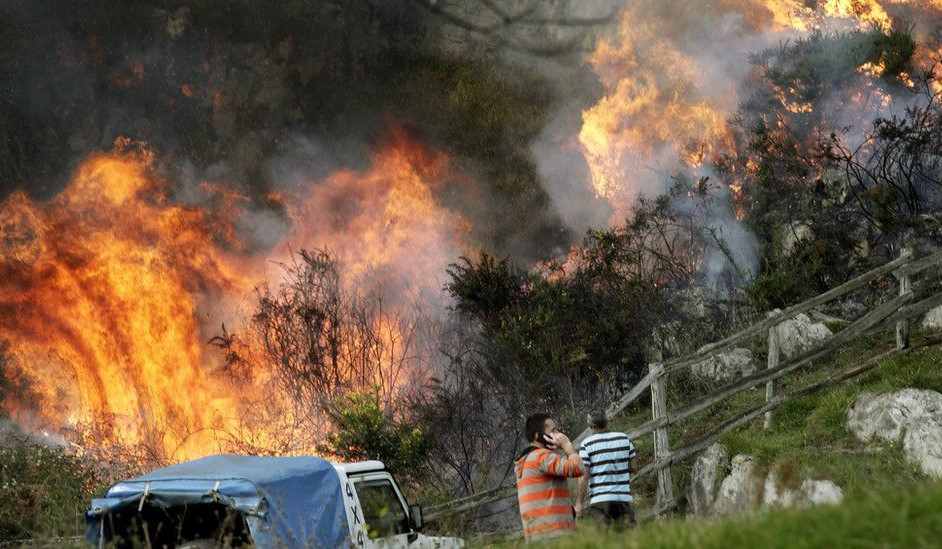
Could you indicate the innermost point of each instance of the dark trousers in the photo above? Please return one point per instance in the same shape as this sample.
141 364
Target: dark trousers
613 513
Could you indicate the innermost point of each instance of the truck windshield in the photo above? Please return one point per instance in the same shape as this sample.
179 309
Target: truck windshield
383 513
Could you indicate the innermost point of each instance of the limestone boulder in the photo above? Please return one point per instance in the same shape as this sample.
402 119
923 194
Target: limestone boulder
923 446
887 416
699 302
740 490
810 492
795 234
851 309
821 492
726 366
799 334
776 493
706 478
933 319
911 415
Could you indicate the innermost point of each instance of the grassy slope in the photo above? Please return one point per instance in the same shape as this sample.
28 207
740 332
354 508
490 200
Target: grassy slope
886 498
808 434
898 518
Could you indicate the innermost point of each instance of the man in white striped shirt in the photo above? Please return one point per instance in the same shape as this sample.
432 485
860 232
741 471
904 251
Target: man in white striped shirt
610 459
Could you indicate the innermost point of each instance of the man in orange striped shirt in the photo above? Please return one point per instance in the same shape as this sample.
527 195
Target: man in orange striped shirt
545 502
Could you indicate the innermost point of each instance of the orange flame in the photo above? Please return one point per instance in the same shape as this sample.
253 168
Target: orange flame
389 233
665 105
385 220
100 302
109 291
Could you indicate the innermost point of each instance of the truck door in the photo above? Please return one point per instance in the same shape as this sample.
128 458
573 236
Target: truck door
385 517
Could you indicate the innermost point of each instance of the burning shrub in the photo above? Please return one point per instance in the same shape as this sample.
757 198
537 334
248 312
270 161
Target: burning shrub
320 338
894 174
893 51
799 156
312 340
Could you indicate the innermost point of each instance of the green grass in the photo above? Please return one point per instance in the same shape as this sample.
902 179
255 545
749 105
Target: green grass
895 518
810 432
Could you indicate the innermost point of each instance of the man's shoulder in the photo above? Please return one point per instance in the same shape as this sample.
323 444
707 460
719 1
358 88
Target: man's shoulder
607 437
531 453
540 453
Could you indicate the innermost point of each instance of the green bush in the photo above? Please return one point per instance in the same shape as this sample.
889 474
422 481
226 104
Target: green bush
781 282
894 49
44 490
362 429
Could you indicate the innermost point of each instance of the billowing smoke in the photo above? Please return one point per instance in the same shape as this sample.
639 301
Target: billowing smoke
673 76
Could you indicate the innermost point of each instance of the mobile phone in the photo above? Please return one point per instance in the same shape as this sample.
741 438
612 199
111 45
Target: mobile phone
543 439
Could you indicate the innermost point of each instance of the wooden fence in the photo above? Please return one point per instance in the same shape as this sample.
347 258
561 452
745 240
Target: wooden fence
897 311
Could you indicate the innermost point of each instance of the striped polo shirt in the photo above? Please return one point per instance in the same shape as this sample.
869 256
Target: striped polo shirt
606 458
543 493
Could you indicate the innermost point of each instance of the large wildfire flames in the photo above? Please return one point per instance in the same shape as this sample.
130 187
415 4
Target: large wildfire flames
672 72
109 292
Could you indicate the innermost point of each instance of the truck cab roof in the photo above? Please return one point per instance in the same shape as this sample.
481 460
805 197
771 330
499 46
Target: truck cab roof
359 467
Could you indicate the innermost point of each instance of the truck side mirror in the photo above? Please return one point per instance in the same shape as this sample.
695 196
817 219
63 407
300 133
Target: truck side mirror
415 517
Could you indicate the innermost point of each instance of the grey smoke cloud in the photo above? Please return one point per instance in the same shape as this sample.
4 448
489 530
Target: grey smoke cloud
659 62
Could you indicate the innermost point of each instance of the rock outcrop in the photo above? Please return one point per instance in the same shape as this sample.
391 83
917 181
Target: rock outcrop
911 415
923 445
800 334
741 489
699 302
795 234
705 479
720 487
821 492
933 319
776 493
726 366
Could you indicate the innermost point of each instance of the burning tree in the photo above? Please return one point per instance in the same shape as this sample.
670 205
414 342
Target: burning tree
321 340
895 173
323 355
801 143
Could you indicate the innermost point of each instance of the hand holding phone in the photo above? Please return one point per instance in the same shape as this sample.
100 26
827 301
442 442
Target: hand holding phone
558 439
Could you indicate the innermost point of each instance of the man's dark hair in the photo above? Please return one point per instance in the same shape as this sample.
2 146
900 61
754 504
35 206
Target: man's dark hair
597 419
535 424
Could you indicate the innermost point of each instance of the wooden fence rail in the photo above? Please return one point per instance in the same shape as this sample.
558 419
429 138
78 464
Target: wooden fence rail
897 311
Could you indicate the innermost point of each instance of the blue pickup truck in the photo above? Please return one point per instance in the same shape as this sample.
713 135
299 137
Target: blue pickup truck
246 501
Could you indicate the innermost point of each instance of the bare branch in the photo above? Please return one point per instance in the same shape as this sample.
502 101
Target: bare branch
506 29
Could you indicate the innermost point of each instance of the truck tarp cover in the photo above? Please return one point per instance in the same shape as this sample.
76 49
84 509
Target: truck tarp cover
287 501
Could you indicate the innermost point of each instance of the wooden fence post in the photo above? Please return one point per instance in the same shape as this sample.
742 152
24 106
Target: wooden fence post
665 484
902 325
771 363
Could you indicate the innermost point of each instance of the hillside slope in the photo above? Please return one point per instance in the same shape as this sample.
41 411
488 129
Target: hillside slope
907 516
888 501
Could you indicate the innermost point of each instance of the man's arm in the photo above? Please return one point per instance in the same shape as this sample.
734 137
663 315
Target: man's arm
583 491
583 480
632 458
569 466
